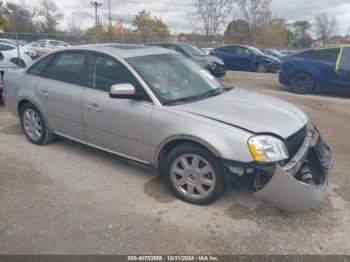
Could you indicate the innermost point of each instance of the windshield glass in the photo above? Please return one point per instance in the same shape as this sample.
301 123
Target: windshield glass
173 77
193 50
255 50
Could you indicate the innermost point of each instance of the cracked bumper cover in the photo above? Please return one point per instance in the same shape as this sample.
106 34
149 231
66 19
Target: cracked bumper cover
291 195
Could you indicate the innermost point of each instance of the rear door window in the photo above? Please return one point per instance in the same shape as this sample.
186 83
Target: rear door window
327 55
343 63
67 67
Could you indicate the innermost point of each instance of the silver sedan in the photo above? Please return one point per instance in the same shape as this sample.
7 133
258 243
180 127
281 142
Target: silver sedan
157 107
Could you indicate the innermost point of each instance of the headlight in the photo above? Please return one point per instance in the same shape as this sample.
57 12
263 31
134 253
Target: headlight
267 149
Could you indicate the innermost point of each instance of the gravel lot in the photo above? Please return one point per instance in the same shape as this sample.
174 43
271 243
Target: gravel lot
65 198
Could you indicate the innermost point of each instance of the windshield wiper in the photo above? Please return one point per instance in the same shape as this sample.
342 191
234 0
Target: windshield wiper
213 92
183 99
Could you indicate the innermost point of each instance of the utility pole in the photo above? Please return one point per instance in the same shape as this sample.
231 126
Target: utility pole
96 5
109 16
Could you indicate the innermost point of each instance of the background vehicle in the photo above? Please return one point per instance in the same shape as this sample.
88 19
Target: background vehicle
287 52
10 53
178 119
53 42
313 69
8 41
274 53
247 58
40 48
4 66
214 65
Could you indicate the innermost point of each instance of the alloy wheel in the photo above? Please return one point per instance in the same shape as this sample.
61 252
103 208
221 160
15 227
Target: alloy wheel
193 176
302 83
32 124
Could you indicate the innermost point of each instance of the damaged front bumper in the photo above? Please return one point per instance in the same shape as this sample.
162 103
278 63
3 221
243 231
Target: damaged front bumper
287 190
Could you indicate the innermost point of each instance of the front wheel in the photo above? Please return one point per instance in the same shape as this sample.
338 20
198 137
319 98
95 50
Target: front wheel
262 68
193 174
302 83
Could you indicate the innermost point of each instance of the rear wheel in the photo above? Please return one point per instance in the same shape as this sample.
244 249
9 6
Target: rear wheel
34 126
301 83
194 174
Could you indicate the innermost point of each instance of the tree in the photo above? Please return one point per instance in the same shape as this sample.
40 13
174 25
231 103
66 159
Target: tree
257 14
49 11
74 27
142 21
150 27
301 34
4 25
213 14
19 17
275 35
237 31
325 26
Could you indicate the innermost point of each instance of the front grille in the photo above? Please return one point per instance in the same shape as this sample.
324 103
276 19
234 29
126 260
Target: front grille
295 141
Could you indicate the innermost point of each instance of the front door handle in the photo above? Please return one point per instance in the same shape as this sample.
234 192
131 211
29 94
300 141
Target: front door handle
43 93
93 107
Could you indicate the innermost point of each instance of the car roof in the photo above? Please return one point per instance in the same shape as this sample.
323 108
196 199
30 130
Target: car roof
123 50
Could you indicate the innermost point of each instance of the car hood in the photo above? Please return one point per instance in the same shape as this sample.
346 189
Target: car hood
250 111
275 59
208 59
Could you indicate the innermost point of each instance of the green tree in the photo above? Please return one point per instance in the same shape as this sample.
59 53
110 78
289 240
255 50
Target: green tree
237 31
150 27
142 21
19 17
301 34
51 16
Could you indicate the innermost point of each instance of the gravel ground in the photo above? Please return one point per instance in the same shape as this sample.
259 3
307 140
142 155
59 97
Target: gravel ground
66 198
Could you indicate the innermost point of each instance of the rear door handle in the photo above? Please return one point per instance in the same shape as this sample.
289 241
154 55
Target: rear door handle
93 107
43 93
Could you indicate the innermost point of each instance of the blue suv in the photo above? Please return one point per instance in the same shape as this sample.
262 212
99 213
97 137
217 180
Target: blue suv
247 58
317 69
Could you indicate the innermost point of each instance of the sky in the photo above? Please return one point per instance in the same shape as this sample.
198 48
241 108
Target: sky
178 14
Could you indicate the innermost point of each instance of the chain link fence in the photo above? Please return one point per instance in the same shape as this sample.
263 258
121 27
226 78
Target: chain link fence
22 48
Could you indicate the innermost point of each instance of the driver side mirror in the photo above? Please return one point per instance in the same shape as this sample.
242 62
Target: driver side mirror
123 91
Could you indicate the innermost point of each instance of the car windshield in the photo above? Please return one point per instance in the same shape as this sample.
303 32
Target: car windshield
192 50
174 78
255 50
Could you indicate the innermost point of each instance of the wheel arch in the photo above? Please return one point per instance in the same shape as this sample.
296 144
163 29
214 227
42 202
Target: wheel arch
168 144
24 100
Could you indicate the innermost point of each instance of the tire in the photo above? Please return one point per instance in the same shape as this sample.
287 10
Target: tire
19 62
262 68
34 125
204 178
301 83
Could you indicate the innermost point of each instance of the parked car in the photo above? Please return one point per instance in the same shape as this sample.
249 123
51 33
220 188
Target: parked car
4 67
287 52
10 53
23 44
314 69
54 42
213 64
274 53
8 41
247 58
40 49
159 108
